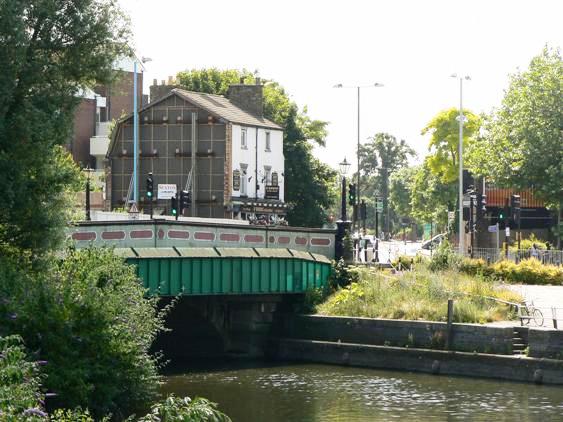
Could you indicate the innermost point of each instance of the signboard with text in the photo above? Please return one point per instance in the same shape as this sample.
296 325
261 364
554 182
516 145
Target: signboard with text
166 190
272 192
236 180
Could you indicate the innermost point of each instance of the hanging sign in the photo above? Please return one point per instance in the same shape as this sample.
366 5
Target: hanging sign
236 180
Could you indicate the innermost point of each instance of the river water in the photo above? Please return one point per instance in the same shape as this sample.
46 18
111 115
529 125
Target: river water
265 392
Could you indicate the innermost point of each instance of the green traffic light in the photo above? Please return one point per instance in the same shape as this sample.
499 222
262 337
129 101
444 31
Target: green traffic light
149 194
501 216
174 212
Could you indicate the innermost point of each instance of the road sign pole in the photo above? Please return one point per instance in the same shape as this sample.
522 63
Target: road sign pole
498 236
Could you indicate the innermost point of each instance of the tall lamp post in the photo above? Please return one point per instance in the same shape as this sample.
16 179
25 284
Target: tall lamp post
375 85
461 120
344 167
343 225
136 130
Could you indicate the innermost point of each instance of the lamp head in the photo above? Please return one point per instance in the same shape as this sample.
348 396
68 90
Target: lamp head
344 167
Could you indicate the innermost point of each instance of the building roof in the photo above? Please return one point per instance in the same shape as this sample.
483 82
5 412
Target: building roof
223 107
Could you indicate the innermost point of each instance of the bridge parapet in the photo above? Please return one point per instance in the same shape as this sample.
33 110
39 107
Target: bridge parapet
181 234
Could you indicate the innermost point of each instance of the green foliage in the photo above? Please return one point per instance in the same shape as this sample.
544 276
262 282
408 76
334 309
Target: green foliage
308 181
526 244
74 415
444 258
341 275
404 262
443 160
522 143
20 395
88 317
400 188
527 271
382 151
420 294
431 198
174 409
50 51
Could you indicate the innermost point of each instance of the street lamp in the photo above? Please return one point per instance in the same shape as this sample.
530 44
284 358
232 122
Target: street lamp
136 130
461 120
375 85
344 167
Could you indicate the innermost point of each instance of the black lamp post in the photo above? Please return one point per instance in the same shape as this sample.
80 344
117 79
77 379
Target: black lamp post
344 167
88 170
343 225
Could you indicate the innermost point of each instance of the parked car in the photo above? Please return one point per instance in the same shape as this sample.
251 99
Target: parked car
434 242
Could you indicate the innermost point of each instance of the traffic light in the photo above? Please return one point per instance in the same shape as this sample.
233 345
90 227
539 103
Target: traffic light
363 210
515 208
352 194
481 204
185 200
174 206
150 186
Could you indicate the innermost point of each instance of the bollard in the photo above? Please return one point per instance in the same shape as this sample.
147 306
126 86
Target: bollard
450 322
554 315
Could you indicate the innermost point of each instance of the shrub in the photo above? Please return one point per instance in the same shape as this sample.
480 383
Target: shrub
526 244
88 317
406 262
341 275
174 409
20 396
444 258
527 271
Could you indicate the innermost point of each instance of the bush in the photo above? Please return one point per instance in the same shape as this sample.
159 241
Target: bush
444 258
20 396
88 317
526 244
406 262
527 271
174 409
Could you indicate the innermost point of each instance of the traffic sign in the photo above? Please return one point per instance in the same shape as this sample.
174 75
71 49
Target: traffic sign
492 229
451 216
507 232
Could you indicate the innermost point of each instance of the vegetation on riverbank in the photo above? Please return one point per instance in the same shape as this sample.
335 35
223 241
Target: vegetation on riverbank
420 295
527 271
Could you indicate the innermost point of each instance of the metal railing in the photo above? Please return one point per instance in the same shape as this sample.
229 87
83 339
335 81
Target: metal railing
551 256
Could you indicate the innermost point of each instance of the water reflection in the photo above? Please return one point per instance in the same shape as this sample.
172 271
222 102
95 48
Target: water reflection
292 392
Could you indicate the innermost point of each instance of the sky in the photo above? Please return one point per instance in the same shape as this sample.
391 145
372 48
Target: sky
308 46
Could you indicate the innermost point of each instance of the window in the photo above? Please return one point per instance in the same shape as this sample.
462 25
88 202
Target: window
243 144
267 141
267 175
274 179
243 179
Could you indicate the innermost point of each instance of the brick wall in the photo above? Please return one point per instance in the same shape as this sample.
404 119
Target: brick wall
84 128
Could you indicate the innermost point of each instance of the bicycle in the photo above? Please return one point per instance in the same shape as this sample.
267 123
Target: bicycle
527 312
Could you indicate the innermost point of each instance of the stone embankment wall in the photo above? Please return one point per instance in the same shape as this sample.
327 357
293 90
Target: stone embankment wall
387 332
545 343
475 350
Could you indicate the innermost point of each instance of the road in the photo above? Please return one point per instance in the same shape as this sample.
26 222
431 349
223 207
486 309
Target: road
389 250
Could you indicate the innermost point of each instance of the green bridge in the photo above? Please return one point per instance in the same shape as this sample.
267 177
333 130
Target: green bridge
192 271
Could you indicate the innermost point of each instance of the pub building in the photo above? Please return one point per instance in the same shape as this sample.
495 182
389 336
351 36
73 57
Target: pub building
221 149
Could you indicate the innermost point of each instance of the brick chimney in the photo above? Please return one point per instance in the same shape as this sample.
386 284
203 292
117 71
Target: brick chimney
158 91
248 97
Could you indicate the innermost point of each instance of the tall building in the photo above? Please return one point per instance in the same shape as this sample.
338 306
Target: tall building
221 149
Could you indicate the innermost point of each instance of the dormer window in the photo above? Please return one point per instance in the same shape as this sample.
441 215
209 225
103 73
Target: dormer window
243 143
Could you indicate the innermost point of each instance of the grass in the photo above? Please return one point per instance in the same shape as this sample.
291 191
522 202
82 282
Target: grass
420 295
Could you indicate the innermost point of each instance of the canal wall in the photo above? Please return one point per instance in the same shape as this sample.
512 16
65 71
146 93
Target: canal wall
388 332
545 343
474 350
508 367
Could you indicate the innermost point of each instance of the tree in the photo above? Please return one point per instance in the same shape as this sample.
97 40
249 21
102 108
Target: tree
431 198
400 188
522 145
443 160
51 50
308 181
380 158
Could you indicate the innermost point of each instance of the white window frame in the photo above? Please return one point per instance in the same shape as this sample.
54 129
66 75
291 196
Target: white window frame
243 138
268 142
